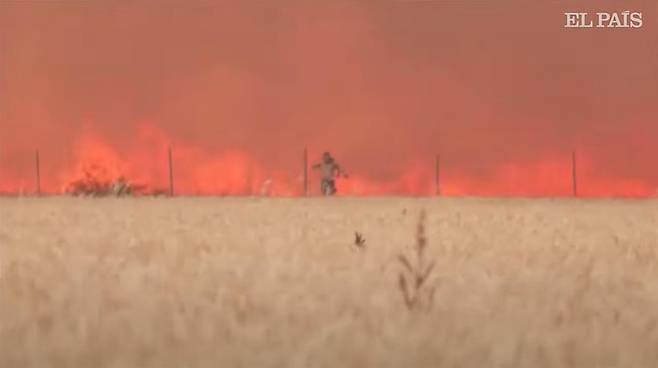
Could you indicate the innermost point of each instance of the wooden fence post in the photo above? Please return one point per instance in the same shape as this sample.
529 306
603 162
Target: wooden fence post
574 177
305 171
437 175
38 173
171 174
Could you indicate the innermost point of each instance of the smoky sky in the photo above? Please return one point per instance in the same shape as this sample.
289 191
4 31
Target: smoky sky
382 84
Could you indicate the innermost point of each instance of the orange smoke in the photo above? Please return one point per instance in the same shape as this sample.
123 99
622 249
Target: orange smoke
239 89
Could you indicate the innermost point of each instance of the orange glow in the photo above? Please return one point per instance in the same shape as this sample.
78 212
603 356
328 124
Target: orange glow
238 89
235 172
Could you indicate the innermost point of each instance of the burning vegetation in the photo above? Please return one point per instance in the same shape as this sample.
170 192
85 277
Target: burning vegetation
96 181
98 167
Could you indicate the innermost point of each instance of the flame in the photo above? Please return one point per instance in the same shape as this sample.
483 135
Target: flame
196 171
377 85
199 171
97 165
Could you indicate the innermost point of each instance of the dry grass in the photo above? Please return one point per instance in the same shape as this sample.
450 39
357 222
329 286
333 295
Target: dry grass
235 282
414 280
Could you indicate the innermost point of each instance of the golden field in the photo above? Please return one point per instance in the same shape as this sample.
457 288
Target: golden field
256 282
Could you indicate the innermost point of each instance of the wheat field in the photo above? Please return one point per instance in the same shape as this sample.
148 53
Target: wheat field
258 282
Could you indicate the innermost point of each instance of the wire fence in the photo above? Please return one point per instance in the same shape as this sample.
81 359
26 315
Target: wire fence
120 186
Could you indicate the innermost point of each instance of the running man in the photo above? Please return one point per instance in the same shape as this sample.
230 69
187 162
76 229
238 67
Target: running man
329 169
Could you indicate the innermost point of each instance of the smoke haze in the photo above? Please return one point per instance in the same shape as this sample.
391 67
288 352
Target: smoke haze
238 88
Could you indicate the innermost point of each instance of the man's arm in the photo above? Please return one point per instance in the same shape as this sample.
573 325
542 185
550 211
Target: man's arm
340 171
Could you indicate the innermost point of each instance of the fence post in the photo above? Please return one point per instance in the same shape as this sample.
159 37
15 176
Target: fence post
574 177
38 173
171 174
305 171
437 175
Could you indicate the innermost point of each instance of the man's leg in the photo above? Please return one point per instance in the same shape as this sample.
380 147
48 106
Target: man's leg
332 187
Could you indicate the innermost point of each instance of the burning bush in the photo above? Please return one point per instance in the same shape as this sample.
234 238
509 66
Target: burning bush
96 182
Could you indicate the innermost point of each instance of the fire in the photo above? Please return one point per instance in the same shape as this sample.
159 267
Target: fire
383 86
142 165
98 165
